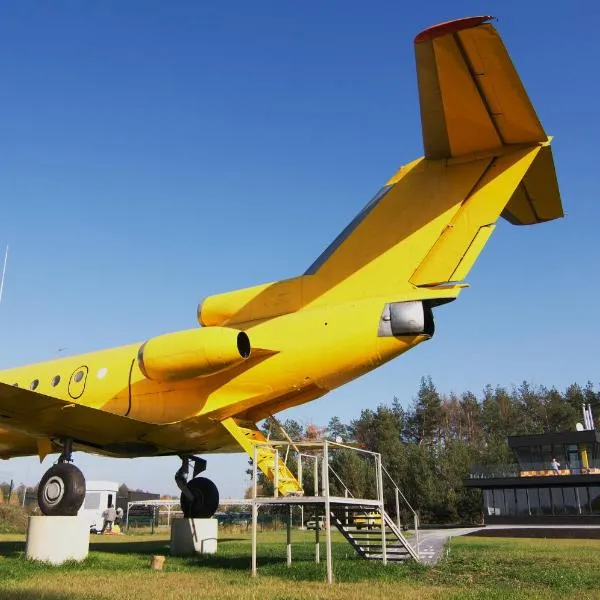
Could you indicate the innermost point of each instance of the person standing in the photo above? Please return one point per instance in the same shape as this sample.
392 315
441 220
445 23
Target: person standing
109 515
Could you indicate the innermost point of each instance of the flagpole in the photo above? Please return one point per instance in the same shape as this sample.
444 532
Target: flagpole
3 272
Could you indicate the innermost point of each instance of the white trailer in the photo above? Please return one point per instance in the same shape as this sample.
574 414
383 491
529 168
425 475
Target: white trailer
99 495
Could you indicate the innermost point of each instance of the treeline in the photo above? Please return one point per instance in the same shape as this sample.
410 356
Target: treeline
430 447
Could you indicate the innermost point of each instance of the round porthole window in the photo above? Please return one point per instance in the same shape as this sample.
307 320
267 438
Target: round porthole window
55 380
102 373
78 376
34 384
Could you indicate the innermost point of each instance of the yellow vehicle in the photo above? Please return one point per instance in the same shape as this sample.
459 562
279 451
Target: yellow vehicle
368 520
369 297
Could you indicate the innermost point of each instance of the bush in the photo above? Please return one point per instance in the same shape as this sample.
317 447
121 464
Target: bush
13 519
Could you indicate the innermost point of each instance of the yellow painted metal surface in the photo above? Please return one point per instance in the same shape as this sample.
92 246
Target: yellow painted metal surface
486 156
191 353
249 437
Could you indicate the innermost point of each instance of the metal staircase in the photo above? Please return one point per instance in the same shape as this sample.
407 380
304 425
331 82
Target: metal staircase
371 537
363 521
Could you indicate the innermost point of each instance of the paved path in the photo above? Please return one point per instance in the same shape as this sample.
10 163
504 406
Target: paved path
432 541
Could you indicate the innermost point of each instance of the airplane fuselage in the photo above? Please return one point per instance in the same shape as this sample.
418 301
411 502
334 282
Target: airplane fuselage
295 358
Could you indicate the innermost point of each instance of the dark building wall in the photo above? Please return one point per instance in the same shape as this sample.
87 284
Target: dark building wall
134 497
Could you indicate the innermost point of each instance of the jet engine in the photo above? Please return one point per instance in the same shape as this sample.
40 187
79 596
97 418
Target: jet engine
193 353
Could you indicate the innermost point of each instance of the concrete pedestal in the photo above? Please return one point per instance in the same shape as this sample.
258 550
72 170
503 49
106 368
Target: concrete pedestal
57 539
194 536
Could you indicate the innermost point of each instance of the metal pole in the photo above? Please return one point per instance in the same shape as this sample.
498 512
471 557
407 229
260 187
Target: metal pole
3 273
346 516
289 538
317 547
254 513
316 473
276 490
381 508
327 511
416 519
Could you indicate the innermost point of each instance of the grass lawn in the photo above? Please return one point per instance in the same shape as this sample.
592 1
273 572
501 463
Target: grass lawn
118 567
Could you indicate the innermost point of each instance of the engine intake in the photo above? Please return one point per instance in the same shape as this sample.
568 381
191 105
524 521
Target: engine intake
193 353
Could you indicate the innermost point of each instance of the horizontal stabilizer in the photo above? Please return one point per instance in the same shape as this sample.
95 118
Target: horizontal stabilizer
537 199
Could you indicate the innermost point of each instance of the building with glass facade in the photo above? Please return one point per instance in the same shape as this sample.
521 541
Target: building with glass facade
556 479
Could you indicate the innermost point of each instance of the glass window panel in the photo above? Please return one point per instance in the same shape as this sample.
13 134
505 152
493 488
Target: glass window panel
522 504
574 458
92 501
536 456
583 500
545 501
595 498
546 455
558 503
499 507
571 507
488 502
510 502
524 456
534 501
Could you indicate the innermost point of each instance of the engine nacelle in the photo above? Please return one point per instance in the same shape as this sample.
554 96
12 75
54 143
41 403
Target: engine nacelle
193 353
407 318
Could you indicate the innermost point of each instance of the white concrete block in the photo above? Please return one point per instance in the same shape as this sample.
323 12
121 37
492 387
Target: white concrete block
57 539
194 536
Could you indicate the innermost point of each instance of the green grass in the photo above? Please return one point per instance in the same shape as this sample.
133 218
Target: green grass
118 567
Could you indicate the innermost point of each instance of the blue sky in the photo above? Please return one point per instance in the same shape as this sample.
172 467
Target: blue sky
155 153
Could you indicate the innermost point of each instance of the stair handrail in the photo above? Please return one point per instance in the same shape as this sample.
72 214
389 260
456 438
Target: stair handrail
412 551
398 491
341 481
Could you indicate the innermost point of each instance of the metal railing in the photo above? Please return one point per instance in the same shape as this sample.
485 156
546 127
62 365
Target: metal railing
324 474
533 469
397 496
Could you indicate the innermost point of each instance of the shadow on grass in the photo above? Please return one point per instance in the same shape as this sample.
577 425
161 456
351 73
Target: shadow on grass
12 549
234 563
133 547
580 533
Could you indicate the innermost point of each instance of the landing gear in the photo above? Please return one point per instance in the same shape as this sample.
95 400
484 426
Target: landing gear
62 488
199 496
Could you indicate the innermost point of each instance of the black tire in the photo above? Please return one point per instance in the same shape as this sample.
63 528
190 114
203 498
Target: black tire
61 491
206 499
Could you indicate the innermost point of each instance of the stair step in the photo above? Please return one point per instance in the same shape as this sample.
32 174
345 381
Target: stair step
388 558
369 541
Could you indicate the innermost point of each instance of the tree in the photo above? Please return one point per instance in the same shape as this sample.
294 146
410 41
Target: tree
427 413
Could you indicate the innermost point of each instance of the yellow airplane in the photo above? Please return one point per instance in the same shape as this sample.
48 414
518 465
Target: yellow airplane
368 298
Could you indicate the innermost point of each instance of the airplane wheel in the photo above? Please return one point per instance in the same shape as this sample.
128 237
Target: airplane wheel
206 499
61 491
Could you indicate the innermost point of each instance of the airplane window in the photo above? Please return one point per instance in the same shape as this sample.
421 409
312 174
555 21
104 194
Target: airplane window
102 373
55 380
78 376
34 384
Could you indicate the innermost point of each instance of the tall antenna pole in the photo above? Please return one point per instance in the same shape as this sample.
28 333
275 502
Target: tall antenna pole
3 272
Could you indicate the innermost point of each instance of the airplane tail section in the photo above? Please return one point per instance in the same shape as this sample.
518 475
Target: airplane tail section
486 155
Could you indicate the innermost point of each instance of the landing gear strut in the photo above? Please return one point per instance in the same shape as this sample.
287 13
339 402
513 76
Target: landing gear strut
199 496
62 488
